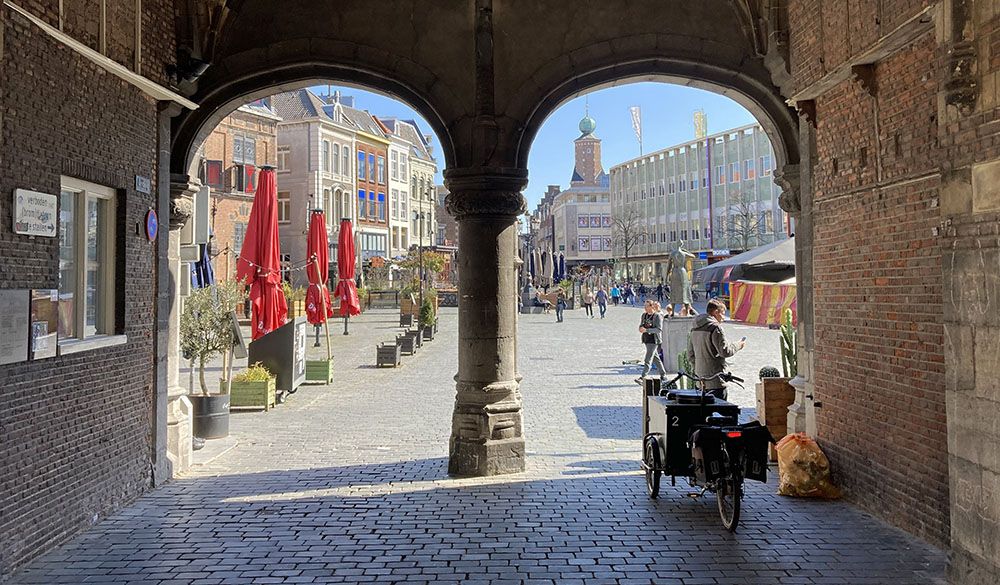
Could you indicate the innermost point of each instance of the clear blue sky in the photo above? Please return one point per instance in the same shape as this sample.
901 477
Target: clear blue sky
667 119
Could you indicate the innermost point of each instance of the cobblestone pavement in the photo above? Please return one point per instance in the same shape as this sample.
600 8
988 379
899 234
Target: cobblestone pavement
347 483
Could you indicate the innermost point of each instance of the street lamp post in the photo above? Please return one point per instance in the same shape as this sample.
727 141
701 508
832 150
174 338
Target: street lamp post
419 216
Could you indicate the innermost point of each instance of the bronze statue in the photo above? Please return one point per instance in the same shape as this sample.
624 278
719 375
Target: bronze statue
680 280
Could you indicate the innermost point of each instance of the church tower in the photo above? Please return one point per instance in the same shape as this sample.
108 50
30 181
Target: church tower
588 171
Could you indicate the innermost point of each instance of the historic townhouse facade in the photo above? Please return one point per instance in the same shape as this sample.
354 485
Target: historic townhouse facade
715 195
423 200
315 159
371 183
399 189
232 154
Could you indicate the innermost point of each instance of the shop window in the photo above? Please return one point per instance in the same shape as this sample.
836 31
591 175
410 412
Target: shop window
87 237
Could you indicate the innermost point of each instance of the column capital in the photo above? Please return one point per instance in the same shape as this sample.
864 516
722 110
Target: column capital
182 190
485 191
789 179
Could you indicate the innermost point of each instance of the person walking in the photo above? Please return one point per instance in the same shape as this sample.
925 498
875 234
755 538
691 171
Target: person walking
642 292
560 306
616 293
602 301
659 293
588 302
708 347
650 327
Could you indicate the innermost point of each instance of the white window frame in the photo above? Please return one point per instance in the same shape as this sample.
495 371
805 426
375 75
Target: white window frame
85 191
284 153
394 165
336 158
324 155
284 208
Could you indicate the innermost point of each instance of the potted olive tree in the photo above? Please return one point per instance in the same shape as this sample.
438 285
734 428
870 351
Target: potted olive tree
774 393
427 319
206 331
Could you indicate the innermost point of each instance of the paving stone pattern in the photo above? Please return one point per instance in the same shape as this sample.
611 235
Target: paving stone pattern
348 484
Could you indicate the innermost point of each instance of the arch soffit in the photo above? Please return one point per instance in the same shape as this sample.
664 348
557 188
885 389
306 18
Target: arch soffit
747 82
230 87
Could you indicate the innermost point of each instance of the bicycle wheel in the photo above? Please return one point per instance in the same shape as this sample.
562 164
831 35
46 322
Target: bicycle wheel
730 493
651 456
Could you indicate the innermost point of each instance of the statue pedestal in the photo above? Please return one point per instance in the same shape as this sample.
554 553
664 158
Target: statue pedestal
675 339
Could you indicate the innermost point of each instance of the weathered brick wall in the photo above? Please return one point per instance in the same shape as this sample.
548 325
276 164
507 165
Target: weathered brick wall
878 285
75 431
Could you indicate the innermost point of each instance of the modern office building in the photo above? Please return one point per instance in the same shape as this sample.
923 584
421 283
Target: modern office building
716 196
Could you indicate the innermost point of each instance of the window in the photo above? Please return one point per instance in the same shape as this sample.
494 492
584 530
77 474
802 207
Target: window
87 235
284 207
324 156
704 178
336 158
692 180
684 234
372 211
734 172
371 167
765 165
402 205
381 206
748 169
361 165
244 178
395 204
673 235
381 170
239 234
402 166
213 173
361 194
284 153
682 185
345 160
394 165
720 174
244 150
707 235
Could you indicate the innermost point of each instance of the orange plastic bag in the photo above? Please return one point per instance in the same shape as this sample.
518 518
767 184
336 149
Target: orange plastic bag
803 469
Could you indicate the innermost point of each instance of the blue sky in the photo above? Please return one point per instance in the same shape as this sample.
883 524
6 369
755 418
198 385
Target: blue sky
667 119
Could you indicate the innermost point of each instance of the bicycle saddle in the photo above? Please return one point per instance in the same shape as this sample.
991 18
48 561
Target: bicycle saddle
690 397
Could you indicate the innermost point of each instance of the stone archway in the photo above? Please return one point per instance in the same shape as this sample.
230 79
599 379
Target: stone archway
486 74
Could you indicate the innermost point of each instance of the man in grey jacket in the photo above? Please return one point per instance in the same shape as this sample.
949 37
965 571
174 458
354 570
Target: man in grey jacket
708 348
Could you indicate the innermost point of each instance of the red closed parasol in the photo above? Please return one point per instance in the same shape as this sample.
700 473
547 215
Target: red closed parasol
346 291
318 307
259 264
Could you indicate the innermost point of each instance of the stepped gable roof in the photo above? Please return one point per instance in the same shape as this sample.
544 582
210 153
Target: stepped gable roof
299 105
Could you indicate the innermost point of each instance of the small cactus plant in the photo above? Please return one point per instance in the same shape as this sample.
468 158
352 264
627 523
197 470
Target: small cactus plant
768 372
789 359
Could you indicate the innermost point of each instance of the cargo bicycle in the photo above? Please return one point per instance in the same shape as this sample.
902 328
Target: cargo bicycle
696 435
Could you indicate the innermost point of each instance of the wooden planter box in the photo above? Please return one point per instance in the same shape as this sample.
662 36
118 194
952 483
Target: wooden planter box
405 319
296 309
252 395
774 396
407 344
319 371
387 354
428 332
409 306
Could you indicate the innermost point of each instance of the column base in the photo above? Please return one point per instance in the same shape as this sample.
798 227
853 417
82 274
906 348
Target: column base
179 433
487 435
471 459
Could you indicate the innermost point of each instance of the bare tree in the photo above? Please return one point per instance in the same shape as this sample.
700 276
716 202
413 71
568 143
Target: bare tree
628 231
743 223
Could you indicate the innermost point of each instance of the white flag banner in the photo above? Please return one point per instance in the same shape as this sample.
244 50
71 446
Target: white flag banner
636 122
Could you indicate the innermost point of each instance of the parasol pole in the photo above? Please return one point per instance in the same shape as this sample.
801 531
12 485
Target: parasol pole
322 306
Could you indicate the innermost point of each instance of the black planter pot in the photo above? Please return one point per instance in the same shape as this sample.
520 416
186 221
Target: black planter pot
211 415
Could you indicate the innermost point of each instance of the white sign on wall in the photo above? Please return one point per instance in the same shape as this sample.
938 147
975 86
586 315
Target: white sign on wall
35 213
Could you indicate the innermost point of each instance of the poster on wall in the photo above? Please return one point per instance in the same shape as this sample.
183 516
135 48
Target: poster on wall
607 244
595 243
583 244
595 221
13 326
582 221
34 213
606 221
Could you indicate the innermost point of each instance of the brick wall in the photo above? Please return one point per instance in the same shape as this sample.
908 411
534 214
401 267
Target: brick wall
75 431
878 285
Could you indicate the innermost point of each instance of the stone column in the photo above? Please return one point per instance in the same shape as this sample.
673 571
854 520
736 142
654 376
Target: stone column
182 190
487 436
